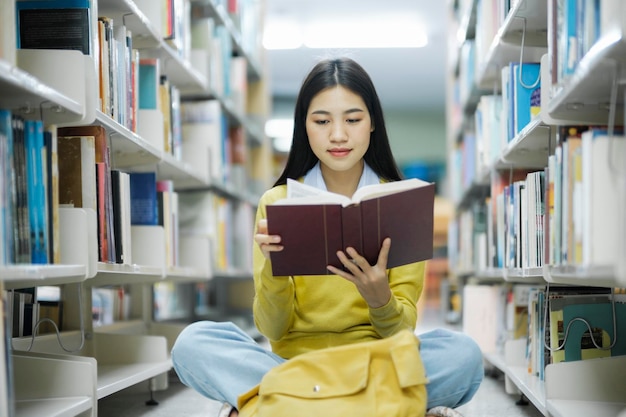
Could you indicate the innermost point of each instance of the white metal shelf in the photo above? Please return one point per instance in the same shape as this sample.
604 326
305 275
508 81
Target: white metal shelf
53 407
529 148
30 275
584 97
37 394
120 274
506 47
122 360
570 389
26 95
578 408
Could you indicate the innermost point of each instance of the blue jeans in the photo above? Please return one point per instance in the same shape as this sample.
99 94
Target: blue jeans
220 361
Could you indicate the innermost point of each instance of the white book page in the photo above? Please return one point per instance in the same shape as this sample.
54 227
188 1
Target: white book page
377 190
300 193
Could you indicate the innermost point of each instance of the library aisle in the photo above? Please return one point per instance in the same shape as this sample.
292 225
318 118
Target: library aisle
490 401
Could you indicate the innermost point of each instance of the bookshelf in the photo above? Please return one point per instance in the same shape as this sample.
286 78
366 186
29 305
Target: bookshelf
93 359
487 37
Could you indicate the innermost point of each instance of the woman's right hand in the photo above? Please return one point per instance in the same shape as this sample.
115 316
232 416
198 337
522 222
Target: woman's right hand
267 243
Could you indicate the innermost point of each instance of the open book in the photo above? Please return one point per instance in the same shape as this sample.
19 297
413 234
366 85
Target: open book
315 224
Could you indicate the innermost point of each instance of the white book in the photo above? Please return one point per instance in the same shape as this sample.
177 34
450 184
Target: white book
604 199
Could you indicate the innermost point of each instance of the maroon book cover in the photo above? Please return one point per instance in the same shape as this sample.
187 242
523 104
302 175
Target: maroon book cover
313 233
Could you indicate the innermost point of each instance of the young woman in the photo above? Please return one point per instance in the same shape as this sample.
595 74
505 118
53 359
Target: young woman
339 144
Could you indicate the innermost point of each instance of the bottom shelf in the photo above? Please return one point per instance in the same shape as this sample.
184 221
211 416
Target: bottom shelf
571 389
585 408
37 394
118 361
53 407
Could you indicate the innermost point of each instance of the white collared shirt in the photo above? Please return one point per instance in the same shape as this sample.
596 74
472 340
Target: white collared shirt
315 179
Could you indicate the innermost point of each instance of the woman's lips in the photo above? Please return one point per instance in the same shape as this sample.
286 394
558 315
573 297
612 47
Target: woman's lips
339 152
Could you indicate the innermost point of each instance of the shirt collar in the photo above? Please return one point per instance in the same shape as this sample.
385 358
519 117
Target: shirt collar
314 177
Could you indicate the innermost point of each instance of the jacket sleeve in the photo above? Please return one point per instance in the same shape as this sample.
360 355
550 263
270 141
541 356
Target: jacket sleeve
400 312
273 306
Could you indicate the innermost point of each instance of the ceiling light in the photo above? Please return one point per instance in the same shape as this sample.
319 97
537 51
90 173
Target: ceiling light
379 32
282 34
388 31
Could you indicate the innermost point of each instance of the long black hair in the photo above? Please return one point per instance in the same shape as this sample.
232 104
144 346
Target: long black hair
349 74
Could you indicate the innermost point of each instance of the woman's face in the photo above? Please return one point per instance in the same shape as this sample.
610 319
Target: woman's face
338 125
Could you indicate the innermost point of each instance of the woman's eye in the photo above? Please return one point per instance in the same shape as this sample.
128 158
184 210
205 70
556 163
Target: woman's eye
351 121
321 122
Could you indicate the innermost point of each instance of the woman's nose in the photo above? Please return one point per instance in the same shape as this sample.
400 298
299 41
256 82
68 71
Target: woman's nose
338 133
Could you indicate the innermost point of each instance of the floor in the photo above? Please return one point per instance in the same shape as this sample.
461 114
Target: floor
179 401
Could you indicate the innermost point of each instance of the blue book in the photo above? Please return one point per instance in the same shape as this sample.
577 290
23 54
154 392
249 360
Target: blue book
526 93
149 80
7 203
143 199
570 42
61 24
36 191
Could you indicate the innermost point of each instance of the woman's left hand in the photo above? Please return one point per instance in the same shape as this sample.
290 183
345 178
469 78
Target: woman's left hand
371 280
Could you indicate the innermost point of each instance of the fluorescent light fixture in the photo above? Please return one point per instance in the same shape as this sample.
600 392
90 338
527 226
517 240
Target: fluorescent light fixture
281 133
379 32
282 34
386 31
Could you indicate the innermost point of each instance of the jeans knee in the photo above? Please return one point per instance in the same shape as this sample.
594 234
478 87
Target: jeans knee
466 353
182 342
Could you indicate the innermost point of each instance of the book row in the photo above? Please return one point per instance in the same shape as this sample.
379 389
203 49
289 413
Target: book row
568 213
49 168
559 324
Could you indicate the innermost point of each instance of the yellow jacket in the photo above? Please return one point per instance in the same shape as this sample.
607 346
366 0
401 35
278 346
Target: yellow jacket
304 313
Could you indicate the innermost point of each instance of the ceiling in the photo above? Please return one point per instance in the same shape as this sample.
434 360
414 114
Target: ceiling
407 79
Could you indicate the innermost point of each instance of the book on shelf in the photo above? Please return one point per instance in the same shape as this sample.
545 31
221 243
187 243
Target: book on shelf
203 140
77 174
568 153
484 308
149 82
7 200
120 182
20 304
581 324
64 24
103 186
52 186
143 199
602 196
37 193
314 225
526 83
21 220
167 200
165 100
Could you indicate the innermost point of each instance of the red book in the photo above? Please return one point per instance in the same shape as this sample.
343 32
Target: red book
313 228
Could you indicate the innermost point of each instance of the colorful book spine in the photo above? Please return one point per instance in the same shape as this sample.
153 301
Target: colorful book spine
149 81
526 93
7 202
37 201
